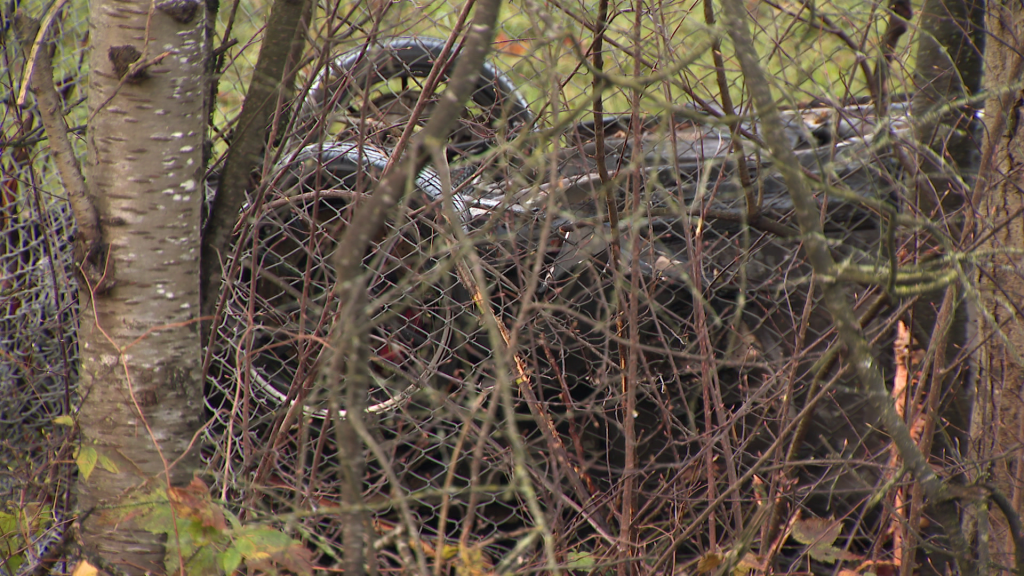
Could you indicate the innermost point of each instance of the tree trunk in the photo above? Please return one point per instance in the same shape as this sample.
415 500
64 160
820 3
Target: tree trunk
950 52
273 82
140 376
997 427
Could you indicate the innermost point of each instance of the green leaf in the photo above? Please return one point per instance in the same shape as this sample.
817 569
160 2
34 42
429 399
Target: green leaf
580 560
86 460
201 559
108 464
10 539
153 512
34 518
8 524
14 562
230 560
64 420
267 550
245 546
203 563
236 524
31 519
192 543
261 539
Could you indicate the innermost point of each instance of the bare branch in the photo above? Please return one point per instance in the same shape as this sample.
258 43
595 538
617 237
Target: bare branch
864 365
90 249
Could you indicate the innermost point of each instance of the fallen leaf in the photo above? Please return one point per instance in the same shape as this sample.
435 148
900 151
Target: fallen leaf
819 534
709 562
193 502
750 562
85 569
473 562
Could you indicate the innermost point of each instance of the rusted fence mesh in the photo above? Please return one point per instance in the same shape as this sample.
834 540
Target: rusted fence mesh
38 299
597 340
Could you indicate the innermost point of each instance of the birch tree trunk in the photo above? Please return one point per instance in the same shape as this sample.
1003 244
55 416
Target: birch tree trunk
140 375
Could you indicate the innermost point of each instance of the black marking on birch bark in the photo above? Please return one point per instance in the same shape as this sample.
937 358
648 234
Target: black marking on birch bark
183 11
122 57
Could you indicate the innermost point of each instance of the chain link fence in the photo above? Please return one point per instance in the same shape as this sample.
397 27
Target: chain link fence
38 299
636 283
658 324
